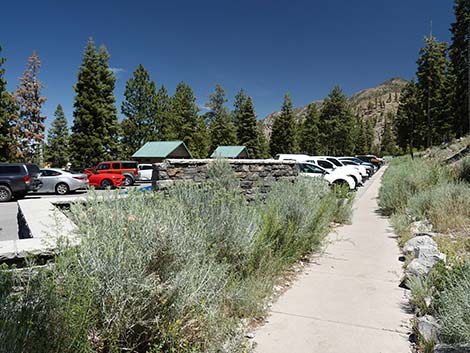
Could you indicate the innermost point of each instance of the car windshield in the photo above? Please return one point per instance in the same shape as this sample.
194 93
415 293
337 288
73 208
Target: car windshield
335 162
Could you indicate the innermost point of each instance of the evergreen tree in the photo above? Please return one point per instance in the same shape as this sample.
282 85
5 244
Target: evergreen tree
184 111
140 110
168 126
239 103
459 58
263 142
247 130
7 111
29 122
283 139
57 140
387 143
409 118
361 146
336 124
221 125
95 127
370 135
309 133
201 139
433 87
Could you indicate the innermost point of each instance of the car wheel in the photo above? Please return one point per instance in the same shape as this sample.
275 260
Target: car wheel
128 181
106 184
5 193
62 189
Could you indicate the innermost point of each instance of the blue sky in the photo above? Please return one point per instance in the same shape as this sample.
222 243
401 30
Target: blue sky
304 47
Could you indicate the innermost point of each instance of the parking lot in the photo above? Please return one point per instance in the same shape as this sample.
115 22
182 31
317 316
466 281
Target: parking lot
9 211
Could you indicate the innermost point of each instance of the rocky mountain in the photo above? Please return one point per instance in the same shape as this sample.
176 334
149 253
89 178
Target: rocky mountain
370 104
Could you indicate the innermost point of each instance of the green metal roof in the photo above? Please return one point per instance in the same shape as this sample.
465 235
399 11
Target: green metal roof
227 151
158 149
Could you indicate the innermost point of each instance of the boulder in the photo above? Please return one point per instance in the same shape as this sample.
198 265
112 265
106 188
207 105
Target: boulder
421 226
417 268
412 245
427 327
457 348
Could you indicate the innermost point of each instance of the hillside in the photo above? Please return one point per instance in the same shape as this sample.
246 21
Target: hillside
370 104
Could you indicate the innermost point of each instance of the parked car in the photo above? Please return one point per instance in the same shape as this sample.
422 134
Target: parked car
371 159
105 181
145 171
127 168
360 161
60 181
330 166
370 169
17 179
361 169
334 178
325 164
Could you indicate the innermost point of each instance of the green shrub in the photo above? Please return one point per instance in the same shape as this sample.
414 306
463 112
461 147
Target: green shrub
407 177
167 273
446 205
422 291
453 305
463 170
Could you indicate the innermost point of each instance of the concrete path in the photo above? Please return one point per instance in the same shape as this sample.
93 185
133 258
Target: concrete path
349 300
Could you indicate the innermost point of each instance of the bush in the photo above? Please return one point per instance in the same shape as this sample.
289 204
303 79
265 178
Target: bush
446 205
167 273
463 170
407 177
453 305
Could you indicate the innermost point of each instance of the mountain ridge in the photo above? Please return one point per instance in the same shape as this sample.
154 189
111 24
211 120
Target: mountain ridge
373 103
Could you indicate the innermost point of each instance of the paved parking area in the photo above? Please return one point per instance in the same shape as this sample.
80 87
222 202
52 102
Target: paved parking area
9 211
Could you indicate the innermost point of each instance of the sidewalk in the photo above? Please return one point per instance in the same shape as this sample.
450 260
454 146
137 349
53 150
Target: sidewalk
349 301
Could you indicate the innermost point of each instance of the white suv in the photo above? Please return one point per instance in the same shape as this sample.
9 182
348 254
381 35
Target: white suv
335 177
330 166
145 171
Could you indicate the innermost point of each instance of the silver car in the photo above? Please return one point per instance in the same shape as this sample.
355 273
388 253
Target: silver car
61 181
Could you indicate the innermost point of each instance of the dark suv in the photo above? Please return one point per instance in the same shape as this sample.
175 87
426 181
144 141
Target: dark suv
16 179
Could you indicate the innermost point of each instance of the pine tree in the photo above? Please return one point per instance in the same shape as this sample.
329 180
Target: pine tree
111 129
370 133
263 142
201 139
221 126
283 139
95 127
459 58
7 111
336 124
432 84
361 146
309 133
184 111
409 118
57 140
247 130
239 103
387 143
29 122
140 110
168 126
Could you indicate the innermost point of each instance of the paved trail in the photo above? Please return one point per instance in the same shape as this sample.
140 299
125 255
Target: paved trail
349 301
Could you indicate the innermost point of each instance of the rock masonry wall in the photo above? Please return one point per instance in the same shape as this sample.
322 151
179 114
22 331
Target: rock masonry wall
254 174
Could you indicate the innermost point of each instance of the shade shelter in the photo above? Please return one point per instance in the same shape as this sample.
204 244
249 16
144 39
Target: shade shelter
235 152
157 151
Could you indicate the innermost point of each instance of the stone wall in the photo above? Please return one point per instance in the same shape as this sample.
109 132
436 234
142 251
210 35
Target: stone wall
254 174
